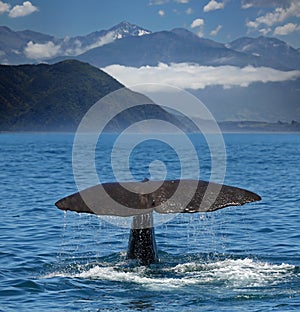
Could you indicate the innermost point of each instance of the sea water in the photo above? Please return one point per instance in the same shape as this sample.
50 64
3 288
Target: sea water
236 259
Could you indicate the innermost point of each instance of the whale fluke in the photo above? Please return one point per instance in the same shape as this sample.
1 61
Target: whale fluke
140 199
136 198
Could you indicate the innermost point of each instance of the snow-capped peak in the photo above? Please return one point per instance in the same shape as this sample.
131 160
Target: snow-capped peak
125 29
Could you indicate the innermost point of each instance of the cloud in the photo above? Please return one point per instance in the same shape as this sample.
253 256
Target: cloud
40 51
198 23
286 29
189 11
43 51
193 76
213 5
103 40
161 12
278 15
216 31
158 2
22 10
161 2
4 7
265 31
246 4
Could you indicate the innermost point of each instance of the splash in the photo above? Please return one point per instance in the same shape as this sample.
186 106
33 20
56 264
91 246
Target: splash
238 273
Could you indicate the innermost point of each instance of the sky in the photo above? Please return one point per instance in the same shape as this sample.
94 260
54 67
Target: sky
220 20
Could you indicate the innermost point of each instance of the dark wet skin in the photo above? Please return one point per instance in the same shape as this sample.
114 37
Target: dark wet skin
115 199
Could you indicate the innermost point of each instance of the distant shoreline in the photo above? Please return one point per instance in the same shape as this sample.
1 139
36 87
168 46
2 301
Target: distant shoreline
162 132
257 126
208 127
225 127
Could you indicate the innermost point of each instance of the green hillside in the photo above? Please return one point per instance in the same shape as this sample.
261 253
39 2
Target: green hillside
50 97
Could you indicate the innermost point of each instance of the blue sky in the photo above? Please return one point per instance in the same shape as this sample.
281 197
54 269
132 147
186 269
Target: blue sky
220 20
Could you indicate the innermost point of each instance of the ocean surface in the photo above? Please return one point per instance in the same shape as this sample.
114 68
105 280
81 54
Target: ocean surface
235 259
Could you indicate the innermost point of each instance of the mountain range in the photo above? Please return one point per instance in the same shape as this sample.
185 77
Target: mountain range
132 45
56 97
26 47
175 46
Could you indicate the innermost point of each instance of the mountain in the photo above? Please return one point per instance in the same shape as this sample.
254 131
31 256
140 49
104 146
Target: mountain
266 102
175 46
126 29
80 44
19 47
270 49
56 97
256 126
13 43
132 45
37 97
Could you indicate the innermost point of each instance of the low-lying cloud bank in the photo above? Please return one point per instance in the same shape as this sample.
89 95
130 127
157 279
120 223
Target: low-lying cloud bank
193 76
68 47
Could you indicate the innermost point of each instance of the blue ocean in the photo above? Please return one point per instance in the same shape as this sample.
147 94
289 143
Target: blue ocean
236 259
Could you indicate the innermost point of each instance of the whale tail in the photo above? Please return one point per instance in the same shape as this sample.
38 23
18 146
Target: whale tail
141 199
173 196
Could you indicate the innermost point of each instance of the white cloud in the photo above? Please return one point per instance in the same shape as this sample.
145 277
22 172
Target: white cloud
158 2
191 76
40 51
22 10
246 4
286 29
161 2
278 15
200 33
216 31
189 11
198 22
213 5
265 31
43 51
108 38
161 12
4 7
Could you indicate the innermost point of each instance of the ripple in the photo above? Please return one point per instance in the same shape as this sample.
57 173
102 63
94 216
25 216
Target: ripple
234 260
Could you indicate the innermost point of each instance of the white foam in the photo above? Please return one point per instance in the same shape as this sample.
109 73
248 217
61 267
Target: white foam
134 276
238 273
232 273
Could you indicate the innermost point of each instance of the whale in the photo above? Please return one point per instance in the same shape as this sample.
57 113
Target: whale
140 200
